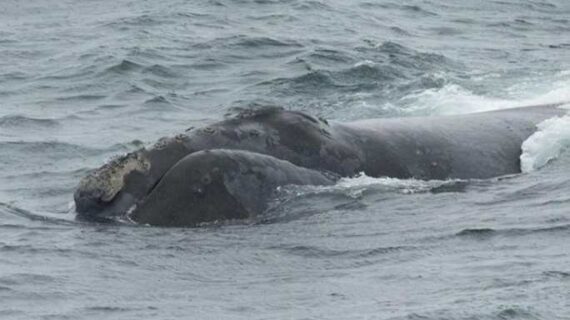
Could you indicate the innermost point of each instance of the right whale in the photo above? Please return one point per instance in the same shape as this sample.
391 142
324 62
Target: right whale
218 185
477 145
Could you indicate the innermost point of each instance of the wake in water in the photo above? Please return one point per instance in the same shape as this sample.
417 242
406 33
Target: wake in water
356 186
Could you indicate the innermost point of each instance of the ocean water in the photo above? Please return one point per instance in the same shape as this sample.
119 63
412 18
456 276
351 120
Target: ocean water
84 81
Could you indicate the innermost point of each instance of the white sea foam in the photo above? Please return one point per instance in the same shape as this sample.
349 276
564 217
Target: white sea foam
454 99
551 139
365 63
355 186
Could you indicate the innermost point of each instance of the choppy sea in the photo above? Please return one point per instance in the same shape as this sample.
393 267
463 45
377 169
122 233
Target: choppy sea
84 81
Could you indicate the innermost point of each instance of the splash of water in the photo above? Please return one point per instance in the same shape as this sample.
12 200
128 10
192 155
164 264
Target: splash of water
455 99
355 186
545 145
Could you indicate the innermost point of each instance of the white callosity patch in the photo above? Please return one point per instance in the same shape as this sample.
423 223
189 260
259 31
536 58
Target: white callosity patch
546 144
108 180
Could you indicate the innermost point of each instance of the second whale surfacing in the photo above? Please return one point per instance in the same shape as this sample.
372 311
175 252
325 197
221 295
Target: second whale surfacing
228 170
215 185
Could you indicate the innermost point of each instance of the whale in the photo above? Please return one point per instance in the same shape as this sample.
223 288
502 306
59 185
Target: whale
219 185
157 185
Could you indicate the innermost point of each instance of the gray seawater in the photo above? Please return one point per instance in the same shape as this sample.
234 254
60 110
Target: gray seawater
83 81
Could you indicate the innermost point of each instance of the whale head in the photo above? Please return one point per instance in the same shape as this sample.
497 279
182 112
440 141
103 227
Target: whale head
123 185
113 189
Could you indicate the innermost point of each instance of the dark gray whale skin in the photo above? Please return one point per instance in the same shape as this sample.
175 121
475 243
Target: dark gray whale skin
478 145
217 185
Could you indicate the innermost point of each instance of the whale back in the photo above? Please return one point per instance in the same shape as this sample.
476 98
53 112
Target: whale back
478 145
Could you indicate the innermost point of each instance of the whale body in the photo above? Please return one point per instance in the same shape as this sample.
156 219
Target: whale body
201 175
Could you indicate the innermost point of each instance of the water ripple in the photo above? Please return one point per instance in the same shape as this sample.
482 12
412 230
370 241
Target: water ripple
19 121
485 233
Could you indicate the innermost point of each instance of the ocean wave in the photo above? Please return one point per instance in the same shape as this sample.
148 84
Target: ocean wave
20 121
485 233
115 106
355 79
407 58
400 31
81 97
53 150
50 176
318 252
30 249
16 151
158 100
273 17
22 213
557 274
504 313
24 278
452 98
308 5
14 75
74 72
380 69
309 83
107 310
328 57
242 42
409 9
207 64
132 92
160 71
162 103
144 20
261 42
124 66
